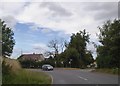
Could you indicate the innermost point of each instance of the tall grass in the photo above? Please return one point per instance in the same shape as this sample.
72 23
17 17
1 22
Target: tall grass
28 77
22 76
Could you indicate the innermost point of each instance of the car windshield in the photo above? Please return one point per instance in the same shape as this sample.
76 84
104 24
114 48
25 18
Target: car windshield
48 65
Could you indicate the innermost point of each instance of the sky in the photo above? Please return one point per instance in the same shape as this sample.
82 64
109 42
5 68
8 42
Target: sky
35 23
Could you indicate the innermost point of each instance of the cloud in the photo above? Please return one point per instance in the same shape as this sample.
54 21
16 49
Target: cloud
65 17
44 18
40 47
103 11
119 10
34 27
46 30
60 16
9 10
57 9
10 21
68 17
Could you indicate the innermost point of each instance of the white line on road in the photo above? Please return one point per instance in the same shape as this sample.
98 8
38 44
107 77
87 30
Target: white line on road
51 79
82 78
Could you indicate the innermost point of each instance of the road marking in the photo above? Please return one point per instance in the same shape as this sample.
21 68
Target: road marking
82 78
51 78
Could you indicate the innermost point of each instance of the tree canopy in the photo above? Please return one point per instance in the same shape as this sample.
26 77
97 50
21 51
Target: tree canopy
79 41
74 54
8 41
109 52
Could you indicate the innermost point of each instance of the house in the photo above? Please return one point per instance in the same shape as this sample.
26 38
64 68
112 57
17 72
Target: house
31 57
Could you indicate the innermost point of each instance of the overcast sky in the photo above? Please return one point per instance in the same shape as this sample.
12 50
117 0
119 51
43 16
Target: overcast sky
36 23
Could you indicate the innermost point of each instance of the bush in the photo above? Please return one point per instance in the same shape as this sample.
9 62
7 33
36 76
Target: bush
6 68
6 71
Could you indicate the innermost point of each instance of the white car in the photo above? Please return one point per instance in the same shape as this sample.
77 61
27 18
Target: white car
47 67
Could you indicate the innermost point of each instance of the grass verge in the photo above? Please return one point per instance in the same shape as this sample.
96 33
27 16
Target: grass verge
114 71
27 77
22 76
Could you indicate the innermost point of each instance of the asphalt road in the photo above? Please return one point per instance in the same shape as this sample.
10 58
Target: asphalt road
63 76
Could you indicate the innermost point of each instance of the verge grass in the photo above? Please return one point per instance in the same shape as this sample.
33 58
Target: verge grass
115 71
28 77
22 76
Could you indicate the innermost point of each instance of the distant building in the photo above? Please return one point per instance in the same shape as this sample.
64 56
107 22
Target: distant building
31 57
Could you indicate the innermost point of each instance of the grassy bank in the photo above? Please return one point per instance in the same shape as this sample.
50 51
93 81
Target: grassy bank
27 77
108 70
22 76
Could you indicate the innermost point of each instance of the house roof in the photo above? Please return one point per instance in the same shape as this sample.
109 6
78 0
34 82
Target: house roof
32 56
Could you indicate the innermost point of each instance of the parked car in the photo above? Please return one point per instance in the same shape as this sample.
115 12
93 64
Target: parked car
47 67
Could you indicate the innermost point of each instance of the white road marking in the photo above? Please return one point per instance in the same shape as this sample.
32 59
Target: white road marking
82 78
51 79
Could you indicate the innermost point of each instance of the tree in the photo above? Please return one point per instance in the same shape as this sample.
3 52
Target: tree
72 58
57 45
79 42
74 53
6 44
54 44
109 52
88 58
63 44
8 41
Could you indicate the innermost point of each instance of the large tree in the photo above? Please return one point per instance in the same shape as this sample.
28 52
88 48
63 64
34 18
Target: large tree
109 51
77 49
6 44
79 42
57 45
72 58
8 41
54 44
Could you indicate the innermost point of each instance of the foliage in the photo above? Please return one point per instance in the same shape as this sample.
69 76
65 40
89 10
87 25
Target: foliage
72 58
27 77
36 64
7 39
108 70
88 58
18 75
109 52
6 68
29 64
75 53
79 42
57 45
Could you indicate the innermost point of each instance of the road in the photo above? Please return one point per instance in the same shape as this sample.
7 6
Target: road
81 76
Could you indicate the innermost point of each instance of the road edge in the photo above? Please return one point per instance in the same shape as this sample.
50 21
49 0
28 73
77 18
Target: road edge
51 78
